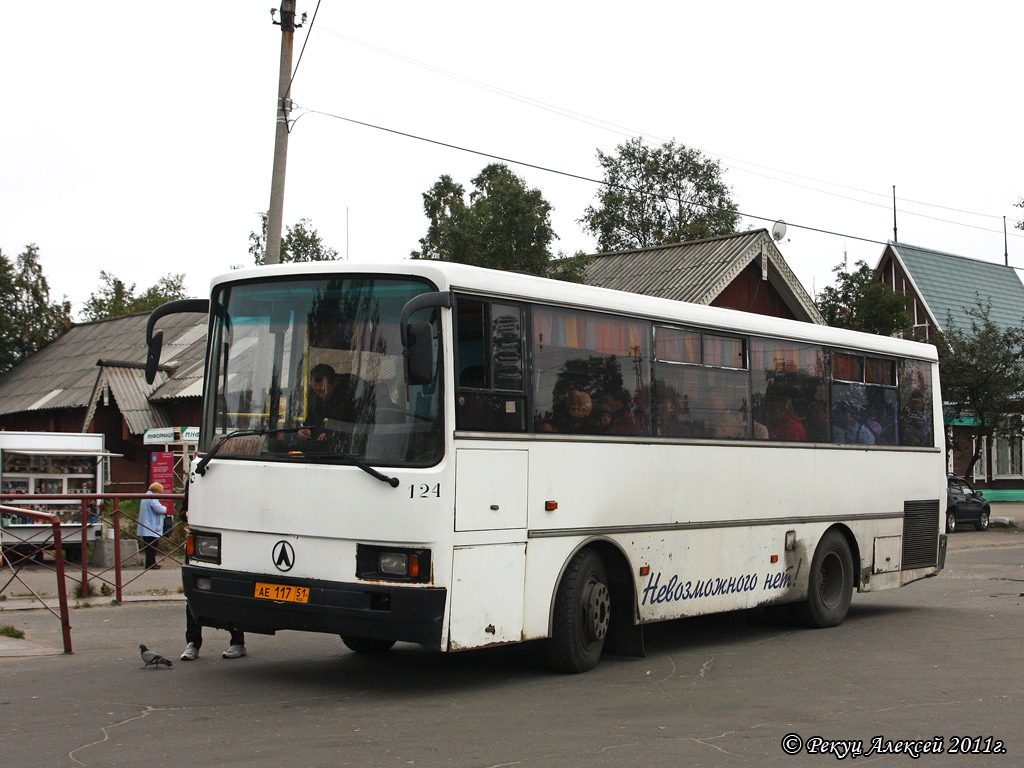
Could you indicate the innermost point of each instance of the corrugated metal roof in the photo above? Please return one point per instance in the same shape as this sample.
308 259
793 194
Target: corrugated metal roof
948 284
697 271
130 390
65 373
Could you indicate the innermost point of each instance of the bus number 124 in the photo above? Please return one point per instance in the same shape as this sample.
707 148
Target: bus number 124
424 491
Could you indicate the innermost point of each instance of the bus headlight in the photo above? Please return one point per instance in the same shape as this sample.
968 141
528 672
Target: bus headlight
392 564
204 547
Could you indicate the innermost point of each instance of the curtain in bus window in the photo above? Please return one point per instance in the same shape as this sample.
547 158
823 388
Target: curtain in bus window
673 345
915 402
847 367
788 390
590 373
878 371
723 351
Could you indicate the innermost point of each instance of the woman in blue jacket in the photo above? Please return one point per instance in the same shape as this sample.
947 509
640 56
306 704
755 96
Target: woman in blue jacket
151 524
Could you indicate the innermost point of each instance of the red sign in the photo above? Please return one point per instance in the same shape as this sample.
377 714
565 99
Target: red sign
161 470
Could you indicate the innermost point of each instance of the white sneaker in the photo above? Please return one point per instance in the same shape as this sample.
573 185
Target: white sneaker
190 653
234 652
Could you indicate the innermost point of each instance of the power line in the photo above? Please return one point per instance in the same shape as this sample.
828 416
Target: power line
628 132
577 176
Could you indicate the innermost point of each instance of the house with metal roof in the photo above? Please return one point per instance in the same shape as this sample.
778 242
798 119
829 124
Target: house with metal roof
92 379
744 271
942 287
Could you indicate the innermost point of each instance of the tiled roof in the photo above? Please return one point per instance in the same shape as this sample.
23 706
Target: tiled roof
73 371
948 284
698 271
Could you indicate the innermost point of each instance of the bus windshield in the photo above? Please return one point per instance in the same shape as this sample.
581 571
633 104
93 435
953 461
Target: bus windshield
314 367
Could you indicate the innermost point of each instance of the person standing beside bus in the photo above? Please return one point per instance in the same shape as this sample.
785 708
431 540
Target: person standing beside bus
151 524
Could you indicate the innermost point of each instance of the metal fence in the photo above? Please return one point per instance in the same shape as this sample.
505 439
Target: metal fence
74 529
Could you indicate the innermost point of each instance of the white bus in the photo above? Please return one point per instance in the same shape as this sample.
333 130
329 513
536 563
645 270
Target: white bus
457 457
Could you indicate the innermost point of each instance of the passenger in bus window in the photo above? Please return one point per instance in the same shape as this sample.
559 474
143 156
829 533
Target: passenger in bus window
334 397
614 415
817 422
915 424
848 430
575 417
783 423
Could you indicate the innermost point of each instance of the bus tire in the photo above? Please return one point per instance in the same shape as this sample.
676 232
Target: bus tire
830 586
370 646
582 615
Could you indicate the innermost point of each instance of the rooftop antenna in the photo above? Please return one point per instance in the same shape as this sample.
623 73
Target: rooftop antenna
778 230
895 239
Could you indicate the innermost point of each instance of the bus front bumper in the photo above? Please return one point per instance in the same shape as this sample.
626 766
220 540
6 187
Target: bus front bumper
386 612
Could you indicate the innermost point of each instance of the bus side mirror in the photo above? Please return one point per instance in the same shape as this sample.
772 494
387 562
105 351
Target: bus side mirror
420 354
153 356
155 339
417 338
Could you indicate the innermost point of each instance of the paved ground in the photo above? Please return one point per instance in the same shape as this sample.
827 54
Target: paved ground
938 660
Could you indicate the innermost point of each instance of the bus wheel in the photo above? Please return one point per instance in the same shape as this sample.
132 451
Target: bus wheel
371 646
831 583
583 612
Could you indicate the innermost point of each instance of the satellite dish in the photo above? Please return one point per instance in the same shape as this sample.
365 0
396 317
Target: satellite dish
779 230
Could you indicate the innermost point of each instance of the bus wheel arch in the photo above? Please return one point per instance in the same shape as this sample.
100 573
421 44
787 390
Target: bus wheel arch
593 599
831 580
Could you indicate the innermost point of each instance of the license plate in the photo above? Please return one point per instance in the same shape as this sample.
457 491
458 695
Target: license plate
282 592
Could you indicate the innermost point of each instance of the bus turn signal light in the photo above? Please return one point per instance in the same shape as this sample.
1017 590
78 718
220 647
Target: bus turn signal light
550 506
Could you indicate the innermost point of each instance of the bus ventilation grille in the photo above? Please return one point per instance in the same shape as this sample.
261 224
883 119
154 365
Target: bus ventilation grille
920 534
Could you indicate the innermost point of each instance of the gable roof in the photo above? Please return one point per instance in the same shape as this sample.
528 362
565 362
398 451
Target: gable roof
699 270
948 284
108 356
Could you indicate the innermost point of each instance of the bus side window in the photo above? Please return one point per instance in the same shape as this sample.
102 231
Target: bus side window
592 373
489 362
788 390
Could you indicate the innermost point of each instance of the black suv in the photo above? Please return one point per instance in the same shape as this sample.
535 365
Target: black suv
964 505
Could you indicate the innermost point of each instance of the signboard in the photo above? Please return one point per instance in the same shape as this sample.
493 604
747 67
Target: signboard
161 470
158 436
167 435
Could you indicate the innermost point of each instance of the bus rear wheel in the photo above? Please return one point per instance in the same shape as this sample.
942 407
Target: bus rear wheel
370 646
582 615
831 584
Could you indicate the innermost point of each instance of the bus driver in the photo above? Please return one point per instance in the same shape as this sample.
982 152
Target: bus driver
336 397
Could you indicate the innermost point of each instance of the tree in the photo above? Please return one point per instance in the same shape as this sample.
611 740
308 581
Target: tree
1019 204
30 320
657 195
115 299
982 371
503 225
860 301
301 242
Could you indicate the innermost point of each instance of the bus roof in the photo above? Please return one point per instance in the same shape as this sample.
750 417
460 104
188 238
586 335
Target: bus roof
522 287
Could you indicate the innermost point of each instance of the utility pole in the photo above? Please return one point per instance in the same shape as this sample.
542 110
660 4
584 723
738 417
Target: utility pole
275 213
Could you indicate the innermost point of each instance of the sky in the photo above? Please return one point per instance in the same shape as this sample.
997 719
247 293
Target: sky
138 138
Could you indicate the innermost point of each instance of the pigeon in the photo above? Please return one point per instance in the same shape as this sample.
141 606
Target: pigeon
152 659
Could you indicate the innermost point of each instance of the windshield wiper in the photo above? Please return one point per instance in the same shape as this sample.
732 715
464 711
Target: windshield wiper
201 466
392 481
